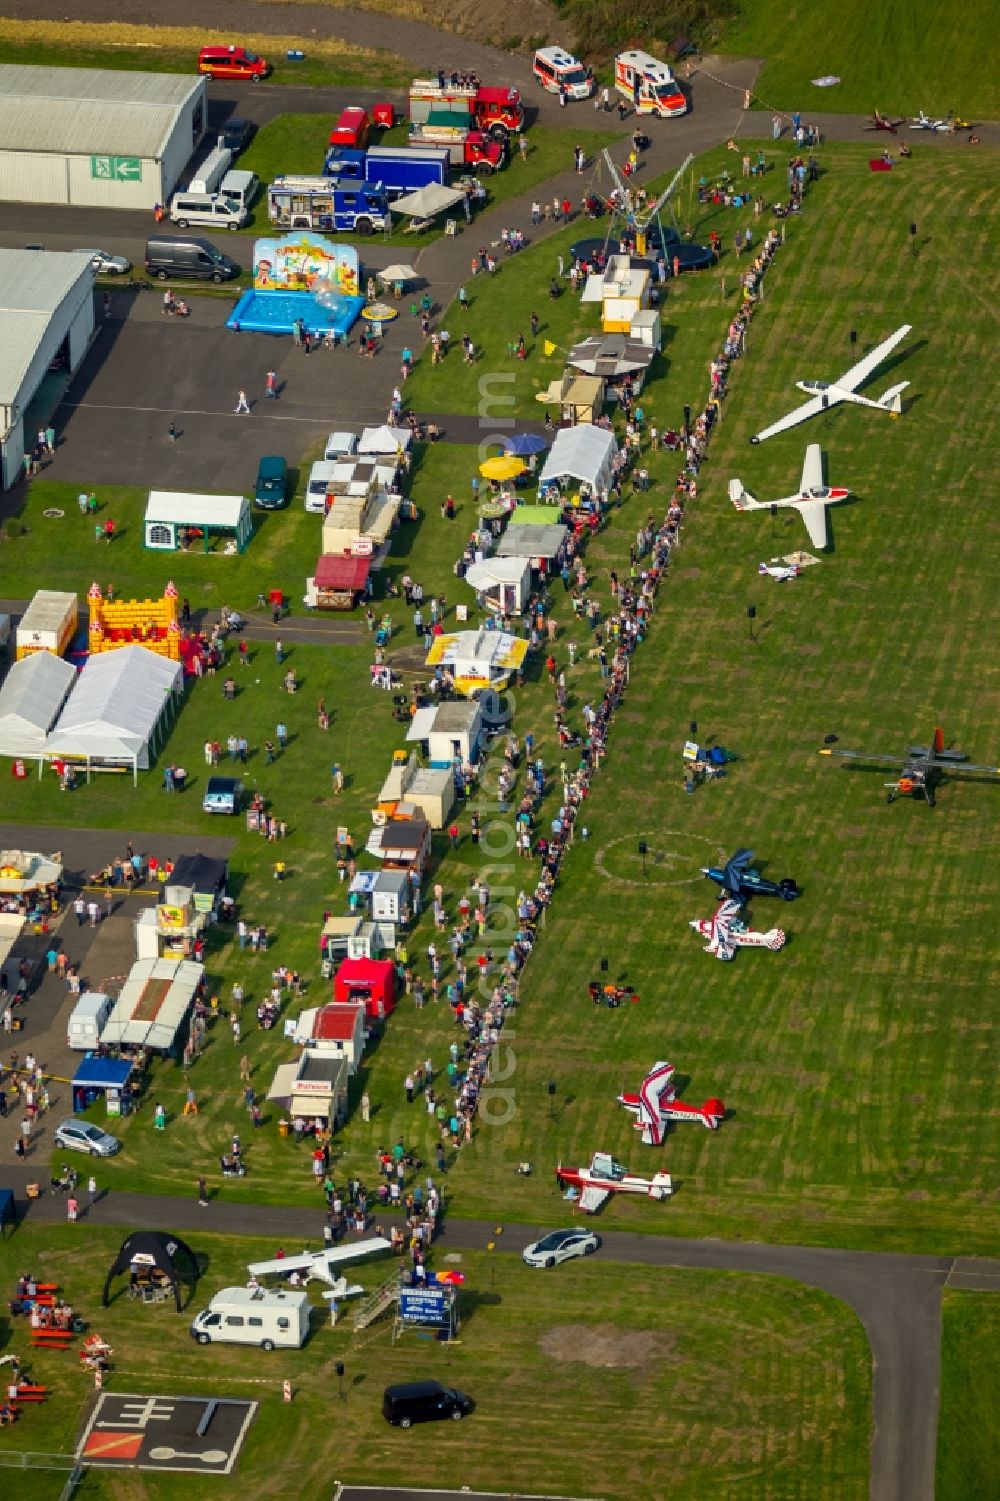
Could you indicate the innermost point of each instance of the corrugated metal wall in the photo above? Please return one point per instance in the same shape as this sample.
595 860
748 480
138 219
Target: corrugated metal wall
33 177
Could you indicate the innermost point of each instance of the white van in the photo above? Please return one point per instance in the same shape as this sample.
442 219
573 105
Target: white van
86 1021
242 187
254 1316
214 213
213 169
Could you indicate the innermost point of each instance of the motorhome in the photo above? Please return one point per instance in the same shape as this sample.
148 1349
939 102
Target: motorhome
254 1316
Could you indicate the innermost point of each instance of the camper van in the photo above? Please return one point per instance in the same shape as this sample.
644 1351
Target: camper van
240 186
254 1316
86 1022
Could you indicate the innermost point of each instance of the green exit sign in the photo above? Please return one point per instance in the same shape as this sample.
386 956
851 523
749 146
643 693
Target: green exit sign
116 168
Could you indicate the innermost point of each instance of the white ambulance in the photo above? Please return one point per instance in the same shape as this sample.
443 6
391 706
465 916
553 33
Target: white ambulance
555 68
649 85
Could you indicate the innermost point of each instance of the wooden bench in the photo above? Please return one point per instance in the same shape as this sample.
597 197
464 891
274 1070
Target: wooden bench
30 1394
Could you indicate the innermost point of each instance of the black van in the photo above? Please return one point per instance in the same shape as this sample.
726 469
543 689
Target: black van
423 1402
188 257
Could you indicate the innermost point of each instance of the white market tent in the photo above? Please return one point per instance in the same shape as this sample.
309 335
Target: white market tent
33 693
152 1006
117 709
582 454
428 201
506 580
384 439
169 513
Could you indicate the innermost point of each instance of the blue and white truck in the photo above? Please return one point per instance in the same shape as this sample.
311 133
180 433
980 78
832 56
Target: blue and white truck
326 203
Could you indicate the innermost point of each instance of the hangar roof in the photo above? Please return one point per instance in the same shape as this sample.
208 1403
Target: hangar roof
83 111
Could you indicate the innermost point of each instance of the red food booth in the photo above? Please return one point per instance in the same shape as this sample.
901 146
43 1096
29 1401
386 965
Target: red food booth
371 981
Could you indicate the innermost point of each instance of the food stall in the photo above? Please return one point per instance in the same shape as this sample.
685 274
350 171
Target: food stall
336 1028
339 581
402 844
449 732
96 1076
370 982
48 624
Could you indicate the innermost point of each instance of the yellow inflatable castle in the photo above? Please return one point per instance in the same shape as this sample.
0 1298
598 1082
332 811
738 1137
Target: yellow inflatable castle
135 622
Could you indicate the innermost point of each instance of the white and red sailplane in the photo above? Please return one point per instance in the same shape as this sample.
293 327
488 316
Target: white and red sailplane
656 1104
811 501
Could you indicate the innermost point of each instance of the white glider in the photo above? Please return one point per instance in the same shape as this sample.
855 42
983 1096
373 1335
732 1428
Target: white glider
826 394
811 501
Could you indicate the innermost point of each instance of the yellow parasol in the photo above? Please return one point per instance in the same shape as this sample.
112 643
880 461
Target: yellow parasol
505 466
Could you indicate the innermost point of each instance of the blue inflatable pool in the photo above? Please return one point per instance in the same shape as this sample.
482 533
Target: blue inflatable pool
275 312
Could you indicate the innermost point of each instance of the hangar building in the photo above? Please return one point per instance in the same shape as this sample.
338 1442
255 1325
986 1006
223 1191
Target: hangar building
96 137
46 325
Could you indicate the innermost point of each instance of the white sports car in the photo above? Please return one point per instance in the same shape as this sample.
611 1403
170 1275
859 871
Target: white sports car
561 1245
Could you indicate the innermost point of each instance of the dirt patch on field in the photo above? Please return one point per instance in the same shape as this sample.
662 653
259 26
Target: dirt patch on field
605 1345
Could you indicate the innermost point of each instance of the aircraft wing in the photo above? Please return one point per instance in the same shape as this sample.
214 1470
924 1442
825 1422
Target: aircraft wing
591 1198
812 468
810 408
860 372
813 513
283 1266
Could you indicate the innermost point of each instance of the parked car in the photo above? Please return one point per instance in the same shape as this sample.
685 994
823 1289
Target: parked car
106 263
319 477
271 489
423 1402
232 62
341 446
237 134
561 1245
222 795
82 1136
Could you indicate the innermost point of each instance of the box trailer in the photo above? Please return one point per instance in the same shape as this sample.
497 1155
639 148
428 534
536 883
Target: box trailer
403 169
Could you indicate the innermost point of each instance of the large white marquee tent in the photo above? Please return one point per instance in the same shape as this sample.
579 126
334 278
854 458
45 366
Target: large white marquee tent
34 691
119 709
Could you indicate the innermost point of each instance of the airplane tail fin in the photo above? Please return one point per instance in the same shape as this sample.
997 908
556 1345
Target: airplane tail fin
938 740
890 402
741 498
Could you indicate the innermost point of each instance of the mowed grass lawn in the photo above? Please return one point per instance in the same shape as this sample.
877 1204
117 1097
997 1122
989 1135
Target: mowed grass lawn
751 1383
894 57
857 1062
968 1466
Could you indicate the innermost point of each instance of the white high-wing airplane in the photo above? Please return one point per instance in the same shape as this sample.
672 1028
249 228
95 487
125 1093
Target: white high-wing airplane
811 501
826 394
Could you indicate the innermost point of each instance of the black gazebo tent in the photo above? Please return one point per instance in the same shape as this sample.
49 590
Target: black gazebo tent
152 1248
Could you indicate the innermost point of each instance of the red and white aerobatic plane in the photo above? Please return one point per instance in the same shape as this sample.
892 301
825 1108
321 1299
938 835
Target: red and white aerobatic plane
811 501
606 1176
656 1104
726 932
825 394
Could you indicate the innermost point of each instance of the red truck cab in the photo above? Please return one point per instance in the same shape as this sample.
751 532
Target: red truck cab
352 129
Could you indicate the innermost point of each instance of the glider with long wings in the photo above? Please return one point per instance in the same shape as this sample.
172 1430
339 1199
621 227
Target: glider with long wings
810 502
825 394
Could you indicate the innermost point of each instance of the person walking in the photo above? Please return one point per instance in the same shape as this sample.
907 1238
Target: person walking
271 385
366 1107
202 1191
91 1192
279 651
242 405
72 1209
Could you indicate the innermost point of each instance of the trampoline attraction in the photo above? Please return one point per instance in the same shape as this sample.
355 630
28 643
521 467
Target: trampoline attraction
301 278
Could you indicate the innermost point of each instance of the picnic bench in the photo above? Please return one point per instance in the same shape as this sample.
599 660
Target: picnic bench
30 1392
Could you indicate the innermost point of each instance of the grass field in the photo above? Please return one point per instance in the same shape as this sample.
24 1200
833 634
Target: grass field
174 49
968 1467
297 144
856 1063
894 56
751 1384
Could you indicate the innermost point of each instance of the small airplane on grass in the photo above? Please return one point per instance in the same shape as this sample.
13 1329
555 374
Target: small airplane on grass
656 1104
606 1176
924 767
318 1266
882 122
825 394
739 878
811 501
726 932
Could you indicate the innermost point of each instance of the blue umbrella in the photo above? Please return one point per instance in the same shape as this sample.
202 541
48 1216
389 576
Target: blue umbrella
524 444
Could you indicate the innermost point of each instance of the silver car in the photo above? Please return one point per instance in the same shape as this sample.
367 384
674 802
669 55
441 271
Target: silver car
561 1245
83 1136
106 263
